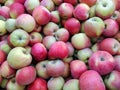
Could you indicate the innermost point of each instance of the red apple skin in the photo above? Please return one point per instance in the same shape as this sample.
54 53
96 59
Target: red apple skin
72 25
73 2
56 50
2 56
81 11
110 45
111 28
117 62
89 2
38 84
26 75
41 15
102 62
77 67
39 51
20 1
91 80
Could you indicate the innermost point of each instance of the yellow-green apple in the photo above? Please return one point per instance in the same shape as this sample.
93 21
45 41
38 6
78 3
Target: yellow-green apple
35 37
110 45
95 47
6 71
84 54
62 34
92 11
26 22
39 51
30 5
57 2
72 84
4 82
55 17
80 41
50 28
91 80
41 14
19 38
3 30
70 49
19 57
117 62
41 69
111 28
81 11
55 83
55 68
25 75
88 2
102 62
112 80
3 56
56 50
72 25
65 10
13 85
38 84
8 3
66 72
73 2
94 27
77 67
68 59
105 8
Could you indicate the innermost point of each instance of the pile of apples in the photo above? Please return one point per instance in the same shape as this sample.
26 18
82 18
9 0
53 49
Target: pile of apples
60 44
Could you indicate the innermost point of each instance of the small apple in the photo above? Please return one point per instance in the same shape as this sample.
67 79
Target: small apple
70 49
57 2
2 56
20 1
4 82
95 47
55 17
88 2
68 59
66 72
3 30
117 62
73 2
92 11
116 16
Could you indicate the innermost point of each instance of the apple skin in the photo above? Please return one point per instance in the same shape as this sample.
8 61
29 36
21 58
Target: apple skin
110 45
117 62
25 75
73 2
95 47
91 80
19 38
39 52
55 83
92 11
41 69
19 57
85 41
81 11
55 68
3 56
117 36
20 1
4 82
111 28
66 72
65 10
13 85
38 84
41 15
88 2
70 49
72 84
22 22
102 62
56 50
3 30
117 5
112 81
72 25
104 8
77 67
57 2
94 27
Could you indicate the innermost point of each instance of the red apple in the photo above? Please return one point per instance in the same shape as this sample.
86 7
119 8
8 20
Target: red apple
117 62
20 1
55 17
73 2
2 56
88 2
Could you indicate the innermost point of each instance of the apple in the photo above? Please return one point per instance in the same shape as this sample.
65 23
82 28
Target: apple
3 30
104 8
72 84
13 85
117 36
20 1
70 49
56 50
1 79
41 15
57 2
117 62
41 69
66 72
116 2
19 57
116 16
102 62
38 84
8 3
26 22
81 11
73 2
92 11
4 82
55 17
68 59
110 45
88 2
94 27
91 80
25 75
55 68
39 51
55 83
80 41
72 25
2 56
112 81
95 47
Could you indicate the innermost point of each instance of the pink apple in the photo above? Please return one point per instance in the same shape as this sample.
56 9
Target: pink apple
55 68
56 50
88 2
55 17
117 62
81 11
91 80
41 15
70 49
73 2
20 1
2 56
72 25
38 84
102 62
39 51
25 75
